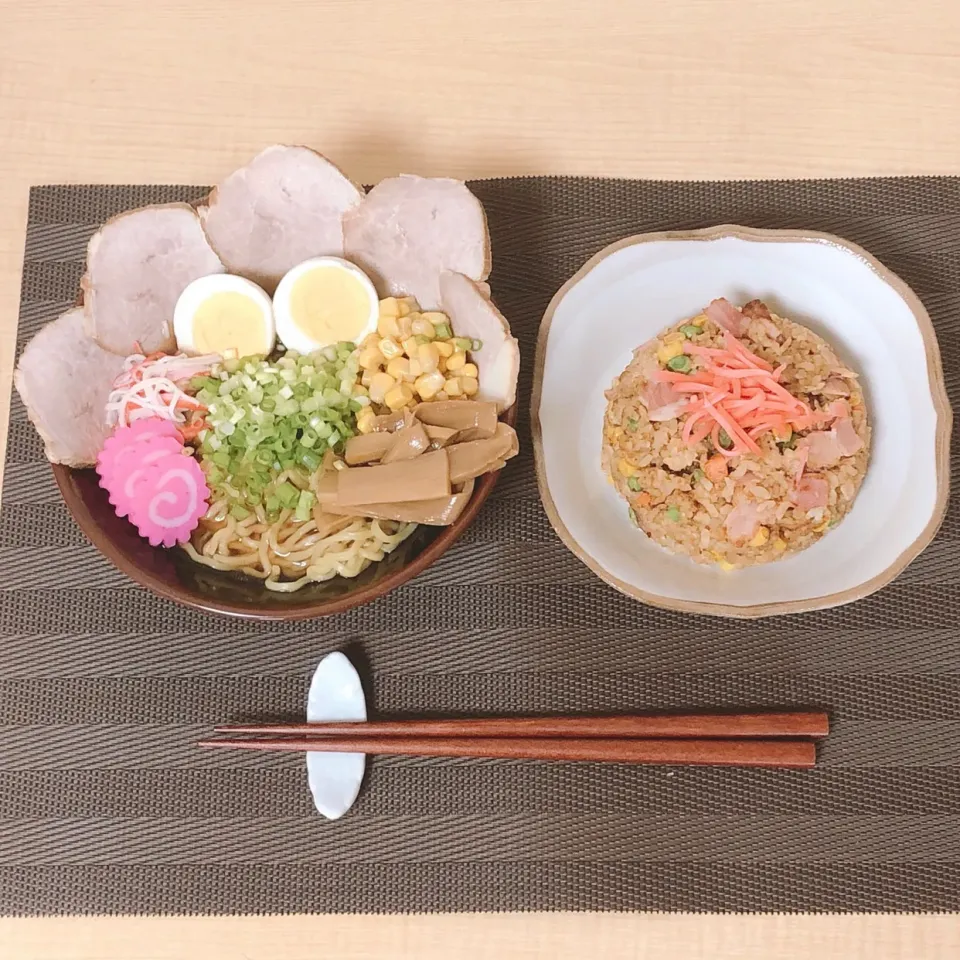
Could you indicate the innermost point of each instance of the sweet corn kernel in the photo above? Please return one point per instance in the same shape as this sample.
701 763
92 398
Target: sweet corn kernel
367 376
406 327
399 368
408 305
389 348
470 370
429 357
668 351
389 307
360 391
435 317
442 365
442 395
452 388
365 420
823 527
370 358
388 327
423 328
625 469
456 360
470 386
444 348
721 563
674 337
415 370
380 384
410 346
779 545
429 385
760 537
399 396
699 320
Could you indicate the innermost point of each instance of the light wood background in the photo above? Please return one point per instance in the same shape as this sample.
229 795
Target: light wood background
185 90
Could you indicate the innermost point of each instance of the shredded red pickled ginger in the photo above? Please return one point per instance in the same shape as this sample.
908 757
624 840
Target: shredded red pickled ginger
737 392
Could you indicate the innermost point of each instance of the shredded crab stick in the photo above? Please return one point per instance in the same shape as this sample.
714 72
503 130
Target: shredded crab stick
149 387
738 393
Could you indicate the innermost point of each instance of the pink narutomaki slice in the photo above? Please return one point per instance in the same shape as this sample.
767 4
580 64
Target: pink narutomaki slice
123 455
724 314
151 480
811 493
170 501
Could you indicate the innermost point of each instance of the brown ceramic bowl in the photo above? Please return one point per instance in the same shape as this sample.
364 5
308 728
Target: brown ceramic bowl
172 574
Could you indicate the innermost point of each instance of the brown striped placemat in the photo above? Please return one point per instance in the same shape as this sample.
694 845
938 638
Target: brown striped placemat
106 805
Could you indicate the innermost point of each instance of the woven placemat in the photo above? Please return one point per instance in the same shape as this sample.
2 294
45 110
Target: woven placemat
107 806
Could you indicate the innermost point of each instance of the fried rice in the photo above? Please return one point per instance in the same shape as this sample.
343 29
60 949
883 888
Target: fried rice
735 508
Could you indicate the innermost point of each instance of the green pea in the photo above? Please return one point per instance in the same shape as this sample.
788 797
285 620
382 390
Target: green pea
680 364
725 440
634 484
673 514
690 331
632 423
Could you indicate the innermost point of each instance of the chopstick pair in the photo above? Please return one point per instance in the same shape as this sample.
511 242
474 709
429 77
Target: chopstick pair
746 740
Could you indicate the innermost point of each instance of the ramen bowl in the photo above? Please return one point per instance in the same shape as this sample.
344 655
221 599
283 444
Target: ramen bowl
172 574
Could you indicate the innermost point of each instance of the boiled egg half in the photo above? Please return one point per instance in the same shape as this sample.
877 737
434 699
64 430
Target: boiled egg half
323 301
223 312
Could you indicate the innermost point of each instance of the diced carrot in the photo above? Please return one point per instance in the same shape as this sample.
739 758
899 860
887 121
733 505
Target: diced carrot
716 468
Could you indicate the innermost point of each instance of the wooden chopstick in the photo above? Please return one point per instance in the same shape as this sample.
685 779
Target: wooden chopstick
730 753
697 726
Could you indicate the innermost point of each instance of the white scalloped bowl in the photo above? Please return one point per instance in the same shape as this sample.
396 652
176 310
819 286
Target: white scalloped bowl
633 289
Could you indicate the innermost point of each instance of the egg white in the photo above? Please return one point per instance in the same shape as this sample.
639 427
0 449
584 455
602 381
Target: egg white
291 334
201 290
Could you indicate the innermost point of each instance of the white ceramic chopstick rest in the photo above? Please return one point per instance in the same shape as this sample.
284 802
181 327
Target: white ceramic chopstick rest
335 694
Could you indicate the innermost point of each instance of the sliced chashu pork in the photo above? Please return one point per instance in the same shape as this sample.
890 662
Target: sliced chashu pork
64 379
473 315
282 208
138 264
409 229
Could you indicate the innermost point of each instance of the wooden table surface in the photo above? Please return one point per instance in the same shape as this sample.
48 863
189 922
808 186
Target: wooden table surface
104 91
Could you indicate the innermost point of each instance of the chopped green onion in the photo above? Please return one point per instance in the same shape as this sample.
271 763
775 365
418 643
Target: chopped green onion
288 494
634 484
632 423
239 512
269 416
304 505
477 345
632 514
443 331
462 343
697 475
680 364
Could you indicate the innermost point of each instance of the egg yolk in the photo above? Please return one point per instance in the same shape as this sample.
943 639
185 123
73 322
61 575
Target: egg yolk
229 320
330 304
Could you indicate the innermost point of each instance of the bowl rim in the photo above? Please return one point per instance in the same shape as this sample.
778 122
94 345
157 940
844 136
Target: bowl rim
938 394
308 611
